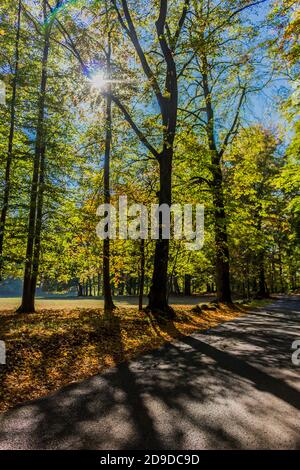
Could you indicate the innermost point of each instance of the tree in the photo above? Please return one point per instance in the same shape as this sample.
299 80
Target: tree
9 157
219 57
253 204
38 177
167 101
108 302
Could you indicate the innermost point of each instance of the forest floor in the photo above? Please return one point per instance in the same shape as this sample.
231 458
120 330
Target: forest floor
53 348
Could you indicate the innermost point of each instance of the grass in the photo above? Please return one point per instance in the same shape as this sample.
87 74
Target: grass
257 303
62 302
53 348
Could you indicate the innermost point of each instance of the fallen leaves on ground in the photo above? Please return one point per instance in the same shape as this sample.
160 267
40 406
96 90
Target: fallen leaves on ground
50 349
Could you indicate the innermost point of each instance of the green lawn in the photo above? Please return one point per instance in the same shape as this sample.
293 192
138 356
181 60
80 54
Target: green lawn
55 303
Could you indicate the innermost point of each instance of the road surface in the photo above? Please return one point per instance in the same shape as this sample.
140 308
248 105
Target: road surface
234 387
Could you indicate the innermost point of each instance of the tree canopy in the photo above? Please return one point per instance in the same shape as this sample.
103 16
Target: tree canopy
164 102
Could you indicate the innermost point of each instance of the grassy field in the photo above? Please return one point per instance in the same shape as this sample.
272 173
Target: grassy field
67 303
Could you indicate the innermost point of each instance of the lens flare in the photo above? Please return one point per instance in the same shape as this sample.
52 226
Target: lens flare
98 80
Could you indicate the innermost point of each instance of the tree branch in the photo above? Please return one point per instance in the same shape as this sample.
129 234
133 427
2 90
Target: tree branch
71 46
235 121
180 25
130 121
131 31
201 179
169 117
187 63
32 19
236 12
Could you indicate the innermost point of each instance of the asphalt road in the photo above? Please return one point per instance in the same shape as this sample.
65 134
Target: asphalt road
234 387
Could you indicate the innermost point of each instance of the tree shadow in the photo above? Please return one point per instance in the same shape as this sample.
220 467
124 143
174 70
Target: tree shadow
145 435
272 344
187 394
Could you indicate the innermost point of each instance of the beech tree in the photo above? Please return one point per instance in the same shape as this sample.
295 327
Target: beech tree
167 101
219 58
9 157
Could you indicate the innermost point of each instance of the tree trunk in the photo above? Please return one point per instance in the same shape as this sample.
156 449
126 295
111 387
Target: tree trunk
159 289
79 290
98 285
142 273
222 251
39 218
262 288
282 288
10 141
108 301
176 285
221 241
248 287
187 284
262 291
36 198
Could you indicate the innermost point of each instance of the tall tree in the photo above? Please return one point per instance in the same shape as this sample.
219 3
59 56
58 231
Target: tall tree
37 182
9 157
108 302
167 100
219 55
252 203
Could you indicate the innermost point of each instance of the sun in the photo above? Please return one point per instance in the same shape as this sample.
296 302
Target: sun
98 80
